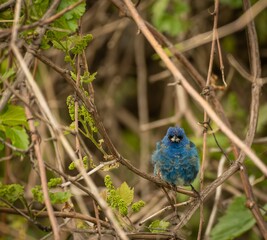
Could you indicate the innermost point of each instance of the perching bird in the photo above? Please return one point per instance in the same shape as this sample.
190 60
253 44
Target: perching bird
176 158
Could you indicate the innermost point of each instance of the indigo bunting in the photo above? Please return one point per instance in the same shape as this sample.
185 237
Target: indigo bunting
176 158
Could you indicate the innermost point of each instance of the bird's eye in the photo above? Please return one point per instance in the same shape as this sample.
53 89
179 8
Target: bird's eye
180 137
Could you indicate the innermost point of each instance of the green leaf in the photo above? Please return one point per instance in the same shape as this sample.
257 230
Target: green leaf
233 107
126 193
85 162
61 45
260 26
70 103
87 77
38 194
38 8
68 59
13 115
108 182
168 16
69 21
59 197
55 197
262 121
53 182
3 136
79 43
158 226
236 221
121 198
11 192
137 206
18 137
73 75
9 73
71 166
232 3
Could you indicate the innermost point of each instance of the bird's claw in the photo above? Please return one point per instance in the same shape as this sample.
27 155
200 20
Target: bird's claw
195 191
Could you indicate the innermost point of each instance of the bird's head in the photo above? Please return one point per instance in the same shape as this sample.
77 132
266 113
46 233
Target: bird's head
176 135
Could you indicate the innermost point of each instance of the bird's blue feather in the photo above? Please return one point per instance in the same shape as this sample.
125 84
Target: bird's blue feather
176 158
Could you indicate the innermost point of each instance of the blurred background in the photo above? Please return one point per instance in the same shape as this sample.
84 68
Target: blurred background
138 102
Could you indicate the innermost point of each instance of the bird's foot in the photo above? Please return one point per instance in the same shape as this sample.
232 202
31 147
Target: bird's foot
195 191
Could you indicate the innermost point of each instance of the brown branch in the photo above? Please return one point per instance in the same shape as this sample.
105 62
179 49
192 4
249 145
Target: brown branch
42 214
204 152
97 220
7 5
34 136
243 72
216 200
37 150
15 148
142 101
133 235
255 66
23 213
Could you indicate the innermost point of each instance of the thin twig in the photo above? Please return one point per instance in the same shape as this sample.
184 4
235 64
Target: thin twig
164 210
255 67
242 70
15 148
62 214
97 220
95 169
216 199
220 58
7 4
37 149
142 106
204 152
160 123
6 158
34 136
23 214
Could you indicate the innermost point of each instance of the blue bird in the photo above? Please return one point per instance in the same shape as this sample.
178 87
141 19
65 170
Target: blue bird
176 158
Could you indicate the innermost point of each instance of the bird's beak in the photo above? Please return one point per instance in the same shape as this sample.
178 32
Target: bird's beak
175 139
